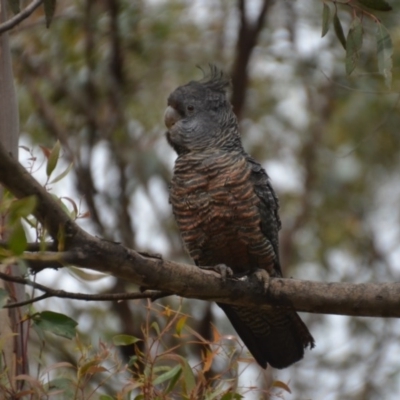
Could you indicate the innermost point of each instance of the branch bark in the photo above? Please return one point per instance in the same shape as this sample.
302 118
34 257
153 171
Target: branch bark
246 41
152 272
16 19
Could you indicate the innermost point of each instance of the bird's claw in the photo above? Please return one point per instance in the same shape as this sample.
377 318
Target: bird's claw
222 269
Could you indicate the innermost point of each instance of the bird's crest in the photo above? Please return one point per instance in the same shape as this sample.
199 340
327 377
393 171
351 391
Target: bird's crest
215 80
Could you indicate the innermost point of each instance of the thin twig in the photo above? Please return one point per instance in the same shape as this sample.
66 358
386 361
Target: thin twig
16 19
34 246
150 294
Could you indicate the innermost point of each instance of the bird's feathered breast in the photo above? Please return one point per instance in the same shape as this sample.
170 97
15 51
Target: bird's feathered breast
219 212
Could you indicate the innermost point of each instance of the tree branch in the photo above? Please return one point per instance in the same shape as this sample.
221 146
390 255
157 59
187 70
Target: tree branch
16 19
246 41
84 250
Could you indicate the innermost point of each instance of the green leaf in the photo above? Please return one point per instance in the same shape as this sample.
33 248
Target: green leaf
124 340
58 324
379 5
156 327
49 9
384 52
4 295
17 239
174 380
326 14
168 375
105 397
22 208
15 6
53 157
64 384
132 360
354 43
63 174
189 381
339 30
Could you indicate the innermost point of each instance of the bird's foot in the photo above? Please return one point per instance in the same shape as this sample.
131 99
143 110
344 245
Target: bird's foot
222 269
262 275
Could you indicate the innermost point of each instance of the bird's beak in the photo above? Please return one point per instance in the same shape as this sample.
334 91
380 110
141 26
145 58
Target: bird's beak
171 117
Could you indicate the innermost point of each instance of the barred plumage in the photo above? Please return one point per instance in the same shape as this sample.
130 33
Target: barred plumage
227 212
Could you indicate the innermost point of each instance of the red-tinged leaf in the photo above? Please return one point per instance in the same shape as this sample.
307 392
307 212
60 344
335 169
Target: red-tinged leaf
84 215
49 9
281 385
216 335
95 369
53 158
32 381
326 14
74 205
62 364
339 30
378 5
207 360
46 151
83 369
63 174
354 43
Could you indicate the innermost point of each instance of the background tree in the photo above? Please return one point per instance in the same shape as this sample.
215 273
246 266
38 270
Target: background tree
98 80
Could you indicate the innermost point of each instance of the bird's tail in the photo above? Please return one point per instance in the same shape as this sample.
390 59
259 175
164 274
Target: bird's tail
276 337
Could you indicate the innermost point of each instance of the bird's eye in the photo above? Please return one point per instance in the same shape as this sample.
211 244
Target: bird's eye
190 108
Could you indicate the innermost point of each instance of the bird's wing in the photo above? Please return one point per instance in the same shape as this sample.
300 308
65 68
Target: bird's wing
268 207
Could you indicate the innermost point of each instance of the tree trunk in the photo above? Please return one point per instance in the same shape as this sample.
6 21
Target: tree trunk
12 331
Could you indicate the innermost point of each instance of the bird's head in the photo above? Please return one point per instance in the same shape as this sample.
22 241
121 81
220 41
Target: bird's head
199 116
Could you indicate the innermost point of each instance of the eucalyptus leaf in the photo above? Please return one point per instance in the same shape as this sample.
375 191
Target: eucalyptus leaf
49 9
379 5
53 158
384 53
56 323
354 43
339 30
326 13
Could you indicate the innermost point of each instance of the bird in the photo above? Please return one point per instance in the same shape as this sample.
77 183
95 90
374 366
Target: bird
227 211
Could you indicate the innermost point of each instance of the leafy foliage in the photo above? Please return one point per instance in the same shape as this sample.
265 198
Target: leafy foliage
354 40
